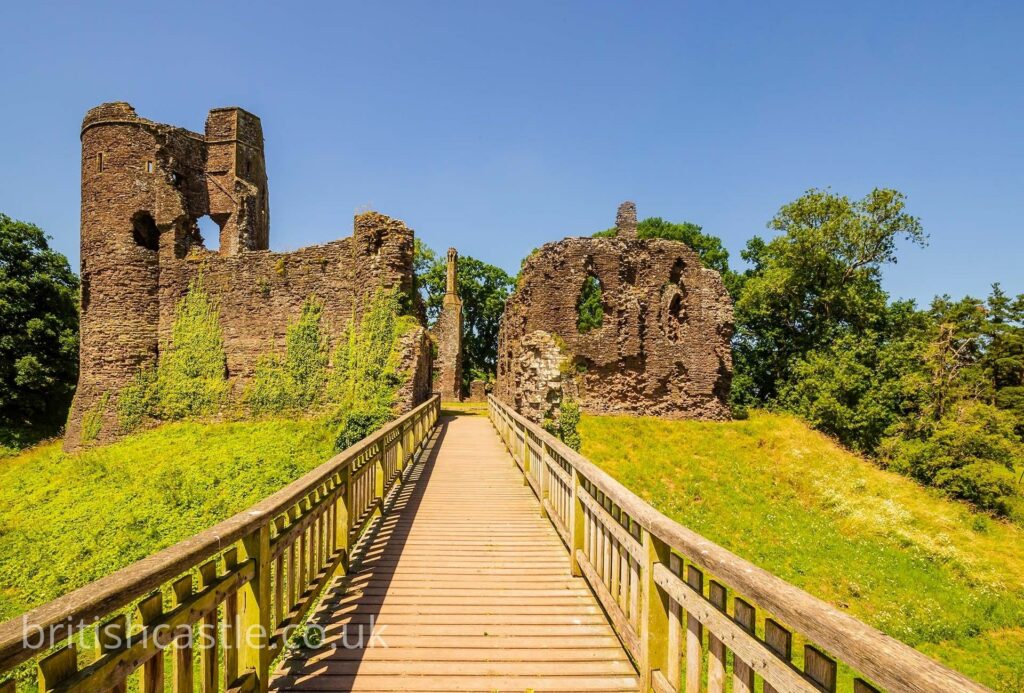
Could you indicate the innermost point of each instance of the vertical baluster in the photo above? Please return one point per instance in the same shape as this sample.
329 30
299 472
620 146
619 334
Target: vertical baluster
303 556
230 623
577 525
294 591
820 668
314 538
279 577
181 662
613 557
208 658
634 592
58 667
675 632
780 641
694 634
716 648
111 638
150 611
742 675
343 509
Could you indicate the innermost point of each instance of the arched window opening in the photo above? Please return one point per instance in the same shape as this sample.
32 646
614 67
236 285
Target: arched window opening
145 232
589 309
209 232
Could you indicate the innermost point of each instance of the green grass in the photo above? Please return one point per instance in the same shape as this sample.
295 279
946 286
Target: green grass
921 568
69 519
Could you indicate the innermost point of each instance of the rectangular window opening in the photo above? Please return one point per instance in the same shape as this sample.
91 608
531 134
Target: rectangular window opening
99 161
149 167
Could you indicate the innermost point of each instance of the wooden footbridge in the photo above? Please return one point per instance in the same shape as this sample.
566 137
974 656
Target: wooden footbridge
452 553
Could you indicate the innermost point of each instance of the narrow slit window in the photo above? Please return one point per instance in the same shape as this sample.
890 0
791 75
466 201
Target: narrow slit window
149 167
99 161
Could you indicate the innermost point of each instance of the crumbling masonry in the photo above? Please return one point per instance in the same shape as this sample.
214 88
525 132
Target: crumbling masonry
447 335
663 345
144 186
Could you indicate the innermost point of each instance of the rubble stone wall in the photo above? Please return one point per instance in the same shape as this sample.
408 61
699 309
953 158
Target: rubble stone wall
144 187
662 349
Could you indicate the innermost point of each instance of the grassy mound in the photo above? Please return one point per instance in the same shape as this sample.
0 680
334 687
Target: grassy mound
921 568
68 519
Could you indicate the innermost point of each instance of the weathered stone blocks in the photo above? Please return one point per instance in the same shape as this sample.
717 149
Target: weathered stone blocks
663 347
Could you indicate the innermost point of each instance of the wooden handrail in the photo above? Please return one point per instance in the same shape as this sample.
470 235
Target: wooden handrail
648 600
291 541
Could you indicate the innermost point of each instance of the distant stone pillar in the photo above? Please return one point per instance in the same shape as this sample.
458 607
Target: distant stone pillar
625 220
448 335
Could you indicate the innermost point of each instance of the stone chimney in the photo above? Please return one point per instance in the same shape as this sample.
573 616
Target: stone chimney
625 220
453 262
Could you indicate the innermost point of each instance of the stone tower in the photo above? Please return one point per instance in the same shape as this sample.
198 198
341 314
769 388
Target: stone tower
145 185
448 334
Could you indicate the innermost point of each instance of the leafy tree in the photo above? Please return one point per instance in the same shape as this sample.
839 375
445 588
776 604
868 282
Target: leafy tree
483 289
820 278
860 384
589 311
38 331
712 252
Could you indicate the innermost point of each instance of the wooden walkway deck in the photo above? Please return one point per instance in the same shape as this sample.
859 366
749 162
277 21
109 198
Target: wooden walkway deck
468 587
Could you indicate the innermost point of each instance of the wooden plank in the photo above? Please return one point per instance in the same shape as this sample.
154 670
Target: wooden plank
181 658
694 634
58 667
112 637
716 648
742 674
209 637
820 668
151 611
780 641
675 632
862 686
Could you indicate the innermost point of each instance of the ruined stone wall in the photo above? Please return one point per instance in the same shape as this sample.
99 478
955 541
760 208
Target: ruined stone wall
663 348
447 335
144 186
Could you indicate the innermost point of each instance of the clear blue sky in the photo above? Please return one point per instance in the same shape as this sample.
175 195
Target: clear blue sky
495 127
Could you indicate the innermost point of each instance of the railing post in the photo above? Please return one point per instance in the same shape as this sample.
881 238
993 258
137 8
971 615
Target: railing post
654 611
254 610
576 520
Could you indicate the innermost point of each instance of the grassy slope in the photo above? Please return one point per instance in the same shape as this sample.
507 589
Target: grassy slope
899 556
66 520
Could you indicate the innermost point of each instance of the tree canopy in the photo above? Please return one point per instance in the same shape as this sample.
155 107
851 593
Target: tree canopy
38 330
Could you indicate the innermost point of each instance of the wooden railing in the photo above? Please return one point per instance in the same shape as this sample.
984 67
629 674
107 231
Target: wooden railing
676 600
243 585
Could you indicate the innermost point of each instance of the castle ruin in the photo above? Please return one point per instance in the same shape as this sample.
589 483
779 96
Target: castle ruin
662 347
145 185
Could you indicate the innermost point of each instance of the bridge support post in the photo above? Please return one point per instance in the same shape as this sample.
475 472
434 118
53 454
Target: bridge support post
654 611
254 611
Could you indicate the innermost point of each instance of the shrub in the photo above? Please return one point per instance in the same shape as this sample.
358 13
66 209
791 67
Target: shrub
971 453
137 400
191 374
296 381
